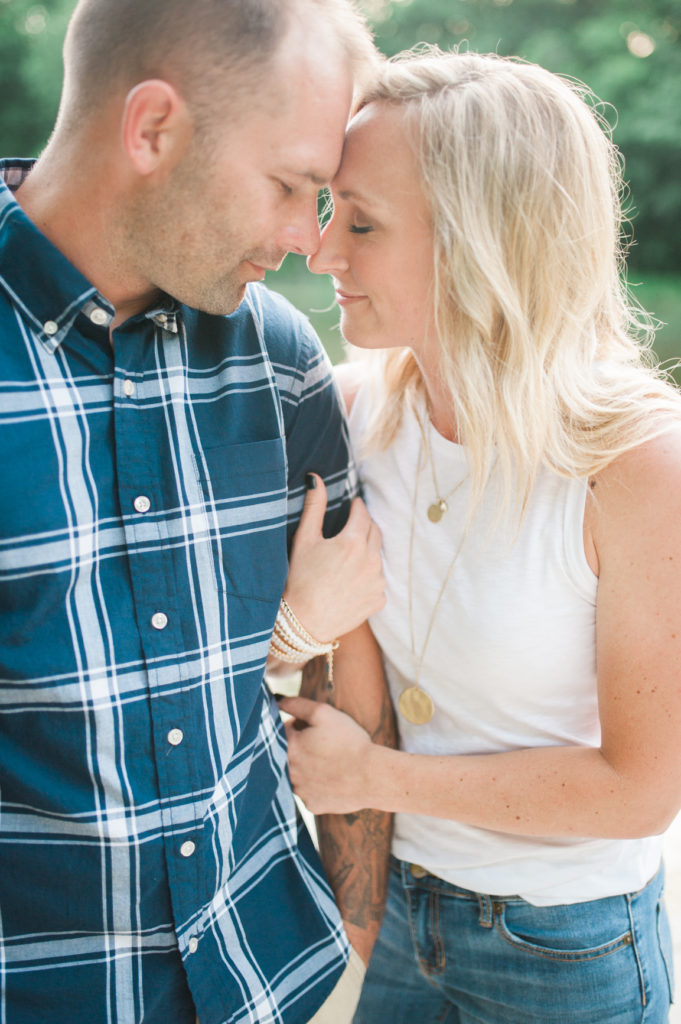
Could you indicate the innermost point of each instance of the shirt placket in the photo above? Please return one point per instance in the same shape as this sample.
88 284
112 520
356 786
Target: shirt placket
143 484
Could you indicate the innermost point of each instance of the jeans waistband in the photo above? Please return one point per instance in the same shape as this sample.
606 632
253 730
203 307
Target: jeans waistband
416 876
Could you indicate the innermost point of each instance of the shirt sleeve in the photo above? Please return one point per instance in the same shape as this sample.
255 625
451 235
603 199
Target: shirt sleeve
317 437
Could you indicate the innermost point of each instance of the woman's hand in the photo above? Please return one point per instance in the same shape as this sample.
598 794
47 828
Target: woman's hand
334 585
327 757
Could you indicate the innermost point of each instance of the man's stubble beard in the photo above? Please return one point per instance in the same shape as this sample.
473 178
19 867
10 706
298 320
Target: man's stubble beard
151 252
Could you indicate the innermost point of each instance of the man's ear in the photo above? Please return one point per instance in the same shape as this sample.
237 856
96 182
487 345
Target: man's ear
157 126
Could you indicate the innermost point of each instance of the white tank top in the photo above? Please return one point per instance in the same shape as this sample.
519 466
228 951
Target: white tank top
511 660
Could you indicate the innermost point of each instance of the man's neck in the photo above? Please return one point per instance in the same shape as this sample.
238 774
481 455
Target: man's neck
75 210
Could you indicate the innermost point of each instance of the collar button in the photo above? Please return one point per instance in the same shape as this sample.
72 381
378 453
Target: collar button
99 316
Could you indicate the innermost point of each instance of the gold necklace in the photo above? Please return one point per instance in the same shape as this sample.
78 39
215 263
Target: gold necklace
437 508
414 703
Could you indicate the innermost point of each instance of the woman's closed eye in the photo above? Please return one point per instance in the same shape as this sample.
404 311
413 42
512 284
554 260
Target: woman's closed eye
361 229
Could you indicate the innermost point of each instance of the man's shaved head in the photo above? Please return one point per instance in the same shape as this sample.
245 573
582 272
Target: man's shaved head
214 52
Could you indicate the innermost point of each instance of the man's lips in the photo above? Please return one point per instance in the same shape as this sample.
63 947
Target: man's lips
258 270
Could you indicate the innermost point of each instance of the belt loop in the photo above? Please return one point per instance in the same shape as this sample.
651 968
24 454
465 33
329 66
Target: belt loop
486 918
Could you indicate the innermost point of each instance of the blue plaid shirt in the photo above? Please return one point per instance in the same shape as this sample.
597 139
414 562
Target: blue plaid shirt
152 861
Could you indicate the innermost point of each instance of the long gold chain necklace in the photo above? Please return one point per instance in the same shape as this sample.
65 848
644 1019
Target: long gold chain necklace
414 703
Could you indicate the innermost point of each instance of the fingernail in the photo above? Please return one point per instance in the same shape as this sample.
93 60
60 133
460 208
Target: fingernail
310 481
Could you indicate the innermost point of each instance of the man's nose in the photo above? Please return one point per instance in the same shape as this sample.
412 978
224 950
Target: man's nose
327 258
301 234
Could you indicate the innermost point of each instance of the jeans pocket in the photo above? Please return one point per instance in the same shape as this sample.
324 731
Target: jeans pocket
570 933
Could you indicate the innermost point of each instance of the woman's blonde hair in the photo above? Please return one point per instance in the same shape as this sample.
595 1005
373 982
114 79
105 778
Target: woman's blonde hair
545 356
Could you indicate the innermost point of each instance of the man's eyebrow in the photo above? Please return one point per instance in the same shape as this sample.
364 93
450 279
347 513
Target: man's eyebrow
317 179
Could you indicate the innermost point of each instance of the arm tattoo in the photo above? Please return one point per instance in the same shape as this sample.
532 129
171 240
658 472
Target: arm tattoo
354 847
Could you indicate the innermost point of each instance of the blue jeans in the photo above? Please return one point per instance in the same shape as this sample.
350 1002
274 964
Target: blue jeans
449 956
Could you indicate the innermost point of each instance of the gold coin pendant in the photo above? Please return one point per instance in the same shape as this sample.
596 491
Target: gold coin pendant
415 705
437 510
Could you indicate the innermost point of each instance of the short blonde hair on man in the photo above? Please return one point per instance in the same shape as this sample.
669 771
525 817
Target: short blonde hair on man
544 354
218 53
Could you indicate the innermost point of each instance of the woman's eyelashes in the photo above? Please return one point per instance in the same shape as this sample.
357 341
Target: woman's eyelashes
361 229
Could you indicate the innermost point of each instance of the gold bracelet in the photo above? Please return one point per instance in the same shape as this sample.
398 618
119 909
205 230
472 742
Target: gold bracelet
292 643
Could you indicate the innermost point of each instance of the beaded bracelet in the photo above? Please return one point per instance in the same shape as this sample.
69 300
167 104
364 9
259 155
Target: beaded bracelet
292 643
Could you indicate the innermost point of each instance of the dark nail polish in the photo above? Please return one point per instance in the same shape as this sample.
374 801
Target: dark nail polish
310 481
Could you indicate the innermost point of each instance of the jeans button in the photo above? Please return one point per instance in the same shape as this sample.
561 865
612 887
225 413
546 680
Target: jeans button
417 871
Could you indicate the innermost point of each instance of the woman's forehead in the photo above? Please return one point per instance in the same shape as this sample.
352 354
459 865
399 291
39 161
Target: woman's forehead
378 157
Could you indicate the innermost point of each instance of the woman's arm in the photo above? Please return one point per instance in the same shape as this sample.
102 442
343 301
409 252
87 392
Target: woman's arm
631 785
334 584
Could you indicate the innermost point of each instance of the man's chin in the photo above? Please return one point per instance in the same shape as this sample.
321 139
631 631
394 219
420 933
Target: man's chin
221 303
236 299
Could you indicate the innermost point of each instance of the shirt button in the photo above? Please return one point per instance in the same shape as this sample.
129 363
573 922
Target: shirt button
159 620
99 316
193 944
187 849
128 388
142 503
50 327
162 318
175 737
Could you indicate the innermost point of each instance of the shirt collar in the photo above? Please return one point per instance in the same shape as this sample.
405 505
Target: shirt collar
39 279
165 314
37 276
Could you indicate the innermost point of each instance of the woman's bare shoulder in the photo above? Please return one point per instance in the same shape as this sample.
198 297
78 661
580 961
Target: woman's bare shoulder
653 464
638 494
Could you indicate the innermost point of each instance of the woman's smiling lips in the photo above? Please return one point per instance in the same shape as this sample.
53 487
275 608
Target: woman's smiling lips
347 298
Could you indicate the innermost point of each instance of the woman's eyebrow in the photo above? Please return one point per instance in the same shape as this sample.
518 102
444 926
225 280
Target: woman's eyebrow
352 195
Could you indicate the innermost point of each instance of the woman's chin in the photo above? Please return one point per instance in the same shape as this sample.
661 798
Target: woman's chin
362 336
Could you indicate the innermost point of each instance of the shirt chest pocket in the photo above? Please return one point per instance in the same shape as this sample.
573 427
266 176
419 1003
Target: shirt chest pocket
244 491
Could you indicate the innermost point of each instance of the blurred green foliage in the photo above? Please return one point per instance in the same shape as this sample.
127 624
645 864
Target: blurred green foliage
31 38
628 51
